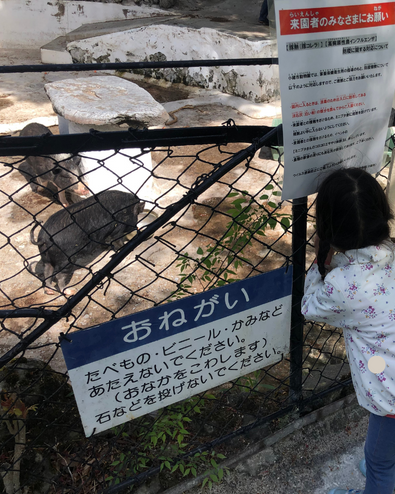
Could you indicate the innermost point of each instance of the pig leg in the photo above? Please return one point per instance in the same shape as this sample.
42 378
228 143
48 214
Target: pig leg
62 198
63 278
48 279
69 292
117 244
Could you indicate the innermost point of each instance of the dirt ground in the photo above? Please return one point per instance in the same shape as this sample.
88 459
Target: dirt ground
137 284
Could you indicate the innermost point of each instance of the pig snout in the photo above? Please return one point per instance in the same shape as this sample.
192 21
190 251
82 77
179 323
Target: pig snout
67 175
80 189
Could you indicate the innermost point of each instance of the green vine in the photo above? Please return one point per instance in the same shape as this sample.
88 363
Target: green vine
217 265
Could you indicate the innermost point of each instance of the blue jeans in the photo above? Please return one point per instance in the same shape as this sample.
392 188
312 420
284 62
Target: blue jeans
380 455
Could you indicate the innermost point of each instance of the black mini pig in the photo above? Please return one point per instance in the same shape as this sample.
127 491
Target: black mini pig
72 237
53 174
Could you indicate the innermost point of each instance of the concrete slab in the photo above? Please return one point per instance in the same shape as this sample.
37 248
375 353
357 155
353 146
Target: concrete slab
222 16
258 83
32 24
17 126
218 29
56 51
248 108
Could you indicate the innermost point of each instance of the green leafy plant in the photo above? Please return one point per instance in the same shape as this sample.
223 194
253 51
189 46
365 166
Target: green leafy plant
253 381
216 473
163 440
217 265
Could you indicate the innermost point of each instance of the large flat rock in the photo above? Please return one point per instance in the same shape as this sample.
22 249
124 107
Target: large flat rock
105 100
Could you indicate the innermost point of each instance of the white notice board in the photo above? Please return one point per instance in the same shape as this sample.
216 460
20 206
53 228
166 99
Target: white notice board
337 81
134 365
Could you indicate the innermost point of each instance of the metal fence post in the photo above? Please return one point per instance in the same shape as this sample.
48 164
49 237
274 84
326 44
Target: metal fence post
299 228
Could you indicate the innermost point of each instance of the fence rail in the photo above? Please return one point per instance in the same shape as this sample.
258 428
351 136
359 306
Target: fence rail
136 65
140 139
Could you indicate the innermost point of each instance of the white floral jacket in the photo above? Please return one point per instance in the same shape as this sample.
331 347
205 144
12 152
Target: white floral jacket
358 295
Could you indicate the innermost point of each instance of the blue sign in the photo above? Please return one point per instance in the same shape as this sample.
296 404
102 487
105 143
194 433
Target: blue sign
120 335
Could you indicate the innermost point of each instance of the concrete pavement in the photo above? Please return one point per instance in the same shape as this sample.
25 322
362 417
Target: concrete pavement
310 456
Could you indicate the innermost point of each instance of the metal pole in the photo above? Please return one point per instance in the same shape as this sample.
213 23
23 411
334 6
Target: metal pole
299 228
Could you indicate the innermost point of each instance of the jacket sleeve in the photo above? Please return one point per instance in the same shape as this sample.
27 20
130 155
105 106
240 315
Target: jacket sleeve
322 301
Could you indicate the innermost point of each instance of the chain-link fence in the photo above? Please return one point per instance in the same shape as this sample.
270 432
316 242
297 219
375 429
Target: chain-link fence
193 209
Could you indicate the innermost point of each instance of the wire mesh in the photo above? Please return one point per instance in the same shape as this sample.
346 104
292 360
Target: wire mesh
197 229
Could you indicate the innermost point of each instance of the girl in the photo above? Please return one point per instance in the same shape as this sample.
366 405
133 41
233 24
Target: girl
354 289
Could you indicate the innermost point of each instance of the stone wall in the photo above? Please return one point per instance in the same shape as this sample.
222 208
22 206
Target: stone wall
169 42
31 24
